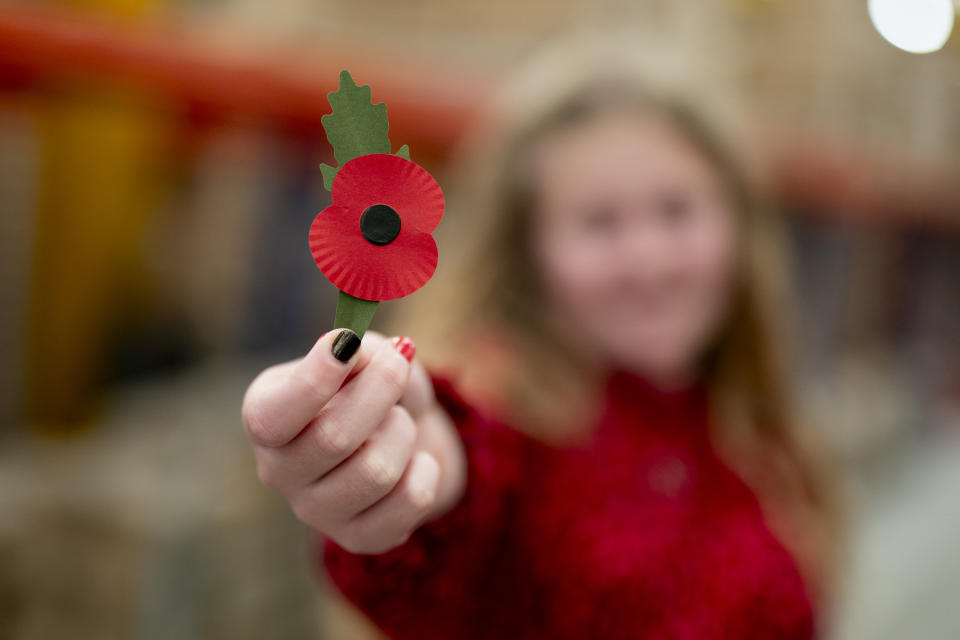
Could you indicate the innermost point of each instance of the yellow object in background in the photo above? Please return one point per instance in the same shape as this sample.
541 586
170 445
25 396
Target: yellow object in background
97 155
101 167
124 9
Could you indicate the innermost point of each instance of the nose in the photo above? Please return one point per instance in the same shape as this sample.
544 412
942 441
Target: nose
645 250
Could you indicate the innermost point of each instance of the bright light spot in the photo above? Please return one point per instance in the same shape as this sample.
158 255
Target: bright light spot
917 26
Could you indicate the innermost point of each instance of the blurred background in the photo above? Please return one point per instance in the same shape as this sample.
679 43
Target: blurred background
158 173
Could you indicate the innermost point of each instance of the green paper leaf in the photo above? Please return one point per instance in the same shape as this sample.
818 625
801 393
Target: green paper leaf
354 313
356 127
328 174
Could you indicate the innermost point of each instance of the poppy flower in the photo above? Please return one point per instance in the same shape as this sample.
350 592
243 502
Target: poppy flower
374 241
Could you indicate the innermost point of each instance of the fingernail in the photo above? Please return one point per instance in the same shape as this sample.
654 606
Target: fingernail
405 346
345 345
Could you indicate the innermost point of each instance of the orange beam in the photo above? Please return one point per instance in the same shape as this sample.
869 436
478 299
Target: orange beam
428 106
835 179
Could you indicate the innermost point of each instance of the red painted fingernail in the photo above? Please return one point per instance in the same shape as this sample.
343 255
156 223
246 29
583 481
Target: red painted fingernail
405 346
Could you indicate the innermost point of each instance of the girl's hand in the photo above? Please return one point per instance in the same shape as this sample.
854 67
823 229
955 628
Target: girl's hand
365 461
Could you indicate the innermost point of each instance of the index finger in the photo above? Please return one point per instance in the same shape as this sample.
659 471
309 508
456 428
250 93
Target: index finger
284 398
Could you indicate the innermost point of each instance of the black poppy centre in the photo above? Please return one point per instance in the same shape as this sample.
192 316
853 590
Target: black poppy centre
380 224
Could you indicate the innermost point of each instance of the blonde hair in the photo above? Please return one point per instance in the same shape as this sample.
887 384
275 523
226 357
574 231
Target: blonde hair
482 315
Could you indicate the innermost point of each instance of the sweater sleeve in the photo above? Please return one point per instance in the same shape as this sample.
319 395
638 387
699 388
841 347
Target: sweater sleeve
428 586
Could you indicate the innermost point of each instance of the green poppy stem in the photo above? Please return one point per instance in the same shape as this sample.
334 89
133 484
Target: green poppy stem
354 313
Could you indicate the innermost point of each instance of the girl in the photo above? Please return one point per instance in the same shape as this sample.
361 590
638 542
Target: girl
609 451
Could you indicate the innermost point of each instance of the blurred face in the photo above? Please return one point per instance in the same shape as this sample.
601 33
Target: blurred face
635 243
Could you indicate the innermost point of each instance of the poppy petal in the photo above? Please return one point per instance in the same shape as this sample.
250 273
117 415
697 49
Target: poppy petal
365 270
383 178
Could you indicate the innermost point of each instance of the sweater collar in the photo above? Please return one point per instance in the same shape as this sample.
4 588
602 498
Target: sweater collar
634 396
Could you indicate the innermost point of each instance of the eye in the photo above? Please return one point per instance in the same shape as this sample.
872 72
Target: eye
677 206
599 219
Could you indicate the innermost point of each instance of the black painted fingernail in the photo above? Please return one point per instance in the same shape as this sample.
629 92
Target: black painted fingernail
345 345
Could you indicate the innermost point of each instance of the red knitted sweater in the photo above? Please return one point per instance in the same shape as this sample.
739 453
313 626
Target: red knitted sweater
640 532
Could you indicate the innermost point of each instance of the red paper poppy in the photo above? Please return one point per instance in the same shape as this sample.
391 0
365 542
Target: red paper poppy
374 241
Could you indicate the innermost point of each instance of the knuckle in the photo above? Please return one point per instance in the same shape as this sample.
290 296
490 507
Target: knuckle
337 533
393 375
267 474
303 510
402 423
331 436
379 472
258 426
